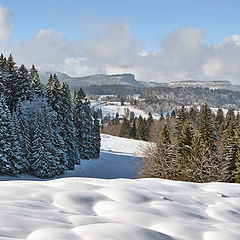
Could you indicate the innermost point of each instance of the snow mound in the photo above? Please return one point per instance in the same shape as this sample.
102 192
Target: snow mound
142 209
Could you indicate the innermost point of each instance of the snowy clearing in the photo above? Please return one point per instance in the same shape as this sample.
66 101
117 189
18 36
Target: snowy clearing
117 159
96 209
115 107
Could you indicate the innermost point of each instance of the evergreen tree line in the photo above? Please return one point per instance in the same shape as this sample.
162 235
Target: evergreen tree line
129 127
196 145
43 130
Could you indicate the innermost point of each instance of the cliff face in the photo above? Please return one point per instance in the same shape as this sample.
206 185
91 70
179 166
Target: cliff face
99 79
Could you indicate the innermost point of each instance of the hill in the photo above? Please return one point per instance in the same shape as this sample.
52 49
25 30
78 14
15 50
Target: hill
97 80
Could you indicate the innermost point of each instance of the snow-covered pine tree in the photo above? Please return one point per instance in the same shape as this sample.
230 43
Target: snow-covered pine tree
11 162
82 119
35 82
3 73
11 84
22 134
43 163
23 91
67 127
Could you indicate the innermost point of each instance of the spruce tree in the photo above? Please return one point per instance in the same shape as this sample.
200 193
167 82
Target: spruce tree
11 162
184 146
125 128
229 155
150 119
219 121
96 137
83 123
23 91
133 129
67 127
11 84
207 130
181 118
35 82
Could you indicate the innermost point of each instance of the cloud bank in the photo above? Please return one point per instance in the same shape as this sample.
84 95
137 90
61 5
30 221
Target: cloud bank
111 48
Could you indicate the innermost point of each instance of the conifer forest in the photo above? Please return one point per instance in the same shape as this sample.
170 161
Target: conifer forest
43 129
193 145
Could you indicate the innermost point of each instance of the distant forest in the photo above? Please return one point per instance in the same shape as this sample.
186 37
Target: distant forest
160 99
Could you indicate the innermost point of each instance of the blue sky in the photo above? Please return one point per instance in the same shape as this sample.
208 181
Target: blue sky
156 40
150 20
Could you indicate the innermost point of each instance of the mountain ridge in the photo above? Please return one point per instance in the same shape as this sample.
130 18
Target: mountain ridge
130 80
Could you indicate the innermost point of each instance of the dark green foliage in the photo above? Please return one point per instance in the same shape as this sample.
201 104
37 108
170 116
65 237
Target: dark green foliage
207 130
125 128
133 129
229 155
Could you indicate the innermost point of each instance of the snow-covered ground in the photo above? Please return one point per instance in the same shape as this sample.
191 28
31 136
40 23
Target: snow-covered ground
88 208
98 209
113 107
117 159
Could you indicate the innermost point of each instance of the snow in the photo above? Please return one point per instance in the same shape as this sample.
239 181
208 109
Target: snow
118 159
113 107
93 208
140 209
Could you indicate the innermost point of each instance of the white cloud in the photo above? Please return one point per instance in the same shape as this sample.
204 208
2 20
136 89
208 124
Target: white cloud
110 47
5 25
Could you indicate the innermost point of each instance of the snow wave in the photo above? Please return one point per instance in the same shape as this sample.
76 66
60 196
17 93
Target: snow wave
142 209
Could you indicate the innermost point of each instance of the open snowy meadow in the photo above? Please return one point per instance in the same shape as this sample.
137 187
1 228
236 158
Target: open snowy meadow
93 208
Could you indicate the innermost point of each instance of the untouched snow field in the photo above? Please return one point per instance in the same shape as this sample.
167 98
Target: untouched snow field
117 159
87 208
98 209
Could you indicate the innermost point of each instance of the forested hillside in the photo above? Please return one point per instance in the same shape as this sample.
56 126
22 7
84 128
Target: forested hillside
43 131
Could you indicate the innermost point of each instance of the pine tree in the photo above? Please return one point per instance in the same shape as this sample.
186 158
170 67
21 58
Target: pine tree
133 129
43 163
140 128
230 118
117 119
229 155
173 114
207 130
125 128
67 127
23 90
11 162
150 119
83 123
96 137
166 135
22 136
11 84
184 146
219 121
35 81
181 119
